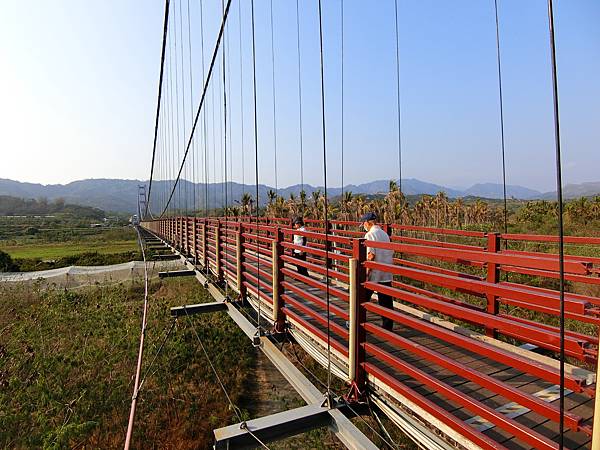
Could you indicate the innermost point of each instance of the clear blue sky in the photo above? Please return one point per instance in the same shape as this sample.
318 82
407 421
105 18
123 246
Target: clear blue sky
78 87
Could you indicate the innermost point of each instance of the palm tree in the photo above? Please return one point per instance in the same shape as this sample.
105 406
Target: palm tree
246 202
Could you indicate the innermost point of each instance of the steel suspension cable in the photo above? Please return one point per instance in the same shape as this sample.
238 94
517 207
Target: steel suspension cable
205 126
185 186
232 405
171 132
194 156
207 81
398 95
325 204
225 43
300 99
241 95
178 127
561 233
342 106
138 369
274 101
256 168
158 103
499 60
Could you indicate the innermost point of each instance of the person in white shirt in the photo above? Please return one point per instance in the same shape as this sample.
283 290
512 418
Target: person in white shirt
380 255
298 224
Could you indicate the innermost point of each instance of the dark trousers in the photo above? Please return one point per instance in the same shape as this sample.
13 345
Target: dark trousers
301 270
384 300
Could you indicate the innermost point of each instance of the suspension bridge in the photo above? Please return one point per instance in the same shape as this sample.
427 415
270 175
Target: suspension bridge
481 354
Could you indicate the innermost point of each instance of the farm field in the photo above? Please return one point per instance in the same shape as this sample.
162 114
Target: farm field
59 250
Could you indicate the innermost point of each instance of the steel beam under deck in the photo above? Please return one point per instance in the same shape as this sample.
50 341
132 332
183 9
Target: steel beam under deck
343 428
272 428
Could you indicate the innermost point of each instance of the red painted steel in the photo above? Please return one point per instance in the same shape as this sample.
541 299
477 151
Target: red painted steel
318 316
527 333
529 401
535 262
449 420
334 309
410 240
316 331
550 238
316 284
316 268
516 429
505 290
517 361
426 276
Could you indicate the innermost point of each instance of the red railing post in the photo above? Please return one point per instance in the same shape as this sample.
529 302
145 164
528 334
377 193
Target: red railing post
328 243
218 250
277 264
239 247
195 240
186 244
358 316
204 245
493 276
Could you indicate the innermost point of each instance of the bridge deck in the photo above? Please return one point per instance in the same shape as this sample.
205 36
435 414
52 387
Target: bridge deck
434 375
580 404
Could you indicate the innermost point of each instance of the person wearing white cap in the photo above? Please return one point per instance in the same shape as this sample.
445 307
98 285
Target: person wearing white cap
380 255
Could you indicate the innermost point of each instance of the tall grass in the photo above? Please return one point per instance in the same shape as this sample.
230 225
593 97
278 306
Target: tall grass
67 360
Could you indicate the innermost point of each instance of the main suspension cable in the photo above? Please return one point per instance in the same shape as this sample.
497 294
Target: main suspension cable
325 204
207 81
501 115
138 369
561 233
256 169
158 103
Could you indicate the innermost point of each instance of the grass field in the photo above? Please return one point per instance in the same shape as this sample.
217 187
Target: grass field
67 360
59 250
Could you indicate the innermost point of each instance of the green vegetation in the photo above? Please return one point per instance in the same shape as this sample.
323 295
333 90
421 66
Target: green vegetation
67 359
14 206
40 243
582 216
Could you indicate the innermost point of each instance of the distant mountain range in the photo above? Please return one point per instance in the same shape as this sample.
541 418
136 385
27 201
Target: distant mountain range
121 195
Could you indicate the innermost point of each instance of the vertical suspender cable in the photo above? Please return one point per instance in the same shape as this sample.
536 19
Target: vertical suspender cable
256 166
326 201
342 106
203 97
171 132
160 83
194 156
225 43
274 102
559 195
204 125
178 203
300 99
501 115
185 190
398 96
241 96
229 122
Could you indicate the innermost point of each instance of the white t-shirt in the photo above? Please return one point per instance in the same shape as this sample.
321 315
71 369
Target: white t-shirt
299 240
382 255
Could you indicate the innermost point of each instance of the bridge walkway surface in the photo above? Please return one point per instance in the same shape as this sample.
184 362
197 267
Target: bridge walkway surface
450 373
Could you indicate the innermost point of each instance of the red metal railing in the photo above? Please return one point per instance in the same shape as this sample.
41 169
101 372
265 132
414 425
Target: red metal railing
501 285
